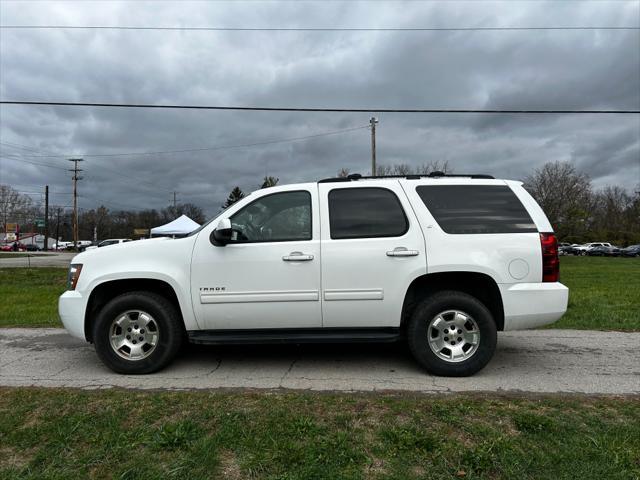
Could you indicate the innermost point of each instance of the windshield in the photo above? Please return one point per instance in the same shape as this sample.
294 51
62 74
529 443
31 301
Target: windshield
197 230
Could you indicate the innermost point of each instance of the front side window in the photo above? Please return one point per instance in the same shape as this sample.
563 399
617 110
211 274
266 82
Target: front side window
365 212
469 209
279 217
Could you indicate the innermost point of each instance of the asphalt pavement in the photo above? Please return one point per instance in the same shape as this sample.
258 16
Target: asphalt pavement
538 361
61 259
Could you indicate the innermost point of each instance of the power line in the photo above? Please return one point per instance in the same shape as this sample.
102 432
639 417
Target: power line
219 147
312 29
325 110
18 146
117 206
18 159
42 193
24 147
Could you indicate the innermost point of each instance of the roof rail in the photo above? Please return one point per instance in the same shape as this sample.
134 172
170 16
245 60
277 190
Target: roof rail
356 176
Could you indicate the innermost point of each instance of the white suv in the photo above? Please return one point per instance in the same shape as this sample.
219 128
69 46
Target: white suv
443 262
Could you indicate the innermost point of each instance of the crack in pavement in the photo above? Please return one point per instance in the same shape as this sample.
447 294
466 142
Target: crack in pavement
288 370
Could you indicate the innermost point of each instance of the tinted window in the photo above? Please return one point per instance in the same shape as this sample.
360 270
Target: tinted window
365 212
278 217
476 208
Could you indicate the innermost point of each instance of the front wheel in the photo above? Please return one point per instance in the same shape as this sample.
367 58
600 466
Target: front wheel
452 334
137 333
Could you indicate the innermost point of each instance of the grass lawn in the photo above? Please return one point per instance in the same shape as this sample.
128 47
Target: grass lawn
604 294
56 433
30 296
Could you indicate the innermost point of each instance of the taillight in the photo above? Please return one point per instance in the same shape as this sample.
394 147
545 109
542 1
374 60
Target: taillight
550 261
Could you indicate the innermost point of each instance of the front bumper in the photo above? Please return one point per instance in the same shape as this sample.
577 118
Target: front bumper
71 308
530 305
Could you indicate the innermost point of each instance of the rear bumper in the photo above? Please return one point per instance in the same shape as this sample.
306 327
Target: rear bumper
530 305
71 307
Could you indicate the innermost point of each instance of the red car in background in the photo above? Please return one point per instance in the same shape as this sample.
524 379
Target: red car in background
13 247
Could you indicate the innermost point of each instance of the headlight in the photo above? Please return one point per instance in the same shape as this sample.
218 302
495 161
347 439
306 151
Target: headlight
74 274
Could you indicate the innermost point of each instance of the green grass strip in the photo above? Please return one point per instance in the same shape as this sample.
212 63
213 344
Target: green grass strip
69 434
604 294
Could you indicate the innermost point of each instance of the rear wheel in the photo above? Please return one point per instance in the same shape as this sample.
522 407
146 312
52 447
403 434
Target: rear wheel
452 334
137 333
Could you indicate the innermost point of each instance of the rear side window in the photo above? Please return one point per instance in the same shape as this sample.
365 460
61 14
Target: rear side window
476 209
365 213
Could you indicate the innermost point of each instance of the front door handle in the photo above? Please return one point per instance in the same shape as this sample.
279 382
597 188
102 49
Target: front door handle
297 257
402 252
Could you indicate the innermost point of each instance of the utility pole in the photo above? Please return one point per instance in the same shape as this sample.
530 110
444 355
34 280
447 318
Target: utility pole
46 218
373 121
174 200
58 229
75 177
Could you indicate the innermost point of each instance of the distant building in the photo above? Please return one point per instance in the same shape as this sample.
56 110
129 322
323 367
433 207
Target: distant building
30 239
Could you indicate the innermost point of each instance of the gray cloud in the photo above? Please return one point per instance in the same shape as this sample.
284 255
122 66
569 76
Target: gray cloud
559 69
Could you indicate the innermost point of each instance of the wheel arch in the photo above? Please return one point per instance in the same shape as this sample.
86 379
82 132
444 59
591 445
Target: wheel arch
105 291
479 285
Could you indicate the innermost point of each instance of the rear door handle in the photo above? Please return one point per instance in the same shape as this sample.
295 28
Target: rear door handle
297 257
402 252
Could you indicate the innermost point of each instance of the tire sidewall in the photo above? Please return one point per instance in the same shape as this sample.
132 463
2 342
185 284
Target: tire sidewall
417 333
163 313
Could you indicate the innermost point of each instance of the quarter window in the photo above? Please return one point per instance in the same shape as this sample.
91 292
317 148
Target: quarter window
279 217
476 209
365 212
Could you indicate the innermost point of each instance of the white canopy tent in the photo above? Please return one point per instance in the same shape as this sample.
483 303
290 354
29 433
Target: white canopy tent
179 227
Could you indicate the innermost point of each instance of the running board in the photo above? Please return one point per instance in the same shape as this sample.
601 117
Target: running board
294 335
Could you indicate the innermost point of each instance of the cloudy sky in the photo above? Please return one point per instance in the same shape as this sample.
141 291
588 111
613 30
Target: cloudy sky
484 70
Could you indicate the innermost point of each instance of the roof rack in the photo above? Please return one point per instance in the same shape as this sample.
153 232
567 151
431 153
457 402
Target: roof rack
356 176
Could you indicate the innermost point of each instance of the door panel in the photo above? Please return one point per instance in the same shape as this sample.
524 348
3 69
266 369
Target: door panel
364 280
259 283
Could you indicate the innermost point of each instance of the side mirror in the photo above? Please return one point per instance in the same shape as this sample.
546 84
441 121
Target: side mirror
222 233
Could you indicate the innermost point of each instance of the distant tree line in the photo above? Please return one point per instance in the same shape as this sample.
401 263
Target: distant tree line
578 212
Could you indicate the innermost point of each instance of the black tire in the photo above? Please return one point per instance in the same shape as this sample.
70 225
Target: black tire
430 308
168 323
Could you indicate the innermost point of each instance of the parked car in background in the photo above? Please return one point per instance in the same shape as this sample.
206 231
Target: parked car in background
14 247
603 251
32 247
563 248
583 249
110 241
81 244
631 251
573 249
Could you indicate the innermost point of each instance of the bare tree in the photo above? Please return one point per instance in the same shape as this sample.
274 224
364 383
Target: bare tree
406 169
343 172
191 210
14 207
610 213
434 166
565 196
